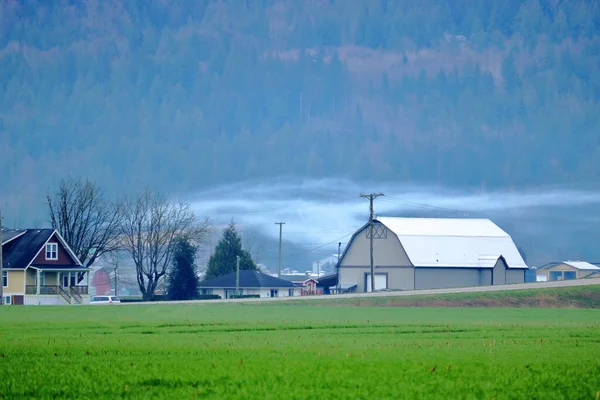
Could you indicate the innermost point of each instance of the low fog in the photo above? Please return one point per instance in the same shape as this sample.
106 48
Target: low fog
548 223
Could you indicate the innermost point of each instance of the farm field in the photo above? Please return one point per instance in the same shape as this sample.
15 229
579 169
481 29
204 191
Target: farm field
255 351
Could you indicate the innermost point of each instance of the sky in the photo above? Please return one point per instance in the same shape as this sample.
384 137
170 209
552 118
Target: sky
320 213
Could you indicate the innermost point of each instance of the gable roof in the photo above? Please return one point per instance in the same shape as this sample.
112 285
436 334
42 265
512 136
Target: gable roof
582 265
10 234
248 279
24 245
454 242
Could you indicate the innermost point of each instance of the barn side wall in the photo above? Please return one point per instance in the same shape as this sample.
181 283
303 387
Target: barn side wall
515 275
438 278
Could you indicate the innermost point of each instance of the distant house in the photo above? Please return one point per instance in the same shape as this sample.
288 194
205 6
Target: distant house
561 271
427 253
39 267
251 282
310 287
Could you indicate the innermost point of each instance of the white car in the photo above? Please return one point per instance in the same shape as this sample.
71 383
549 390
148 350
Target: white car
105 300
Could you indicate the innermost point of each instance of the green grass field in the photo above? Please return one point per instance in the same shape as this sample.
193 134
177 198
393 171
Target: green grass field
243 351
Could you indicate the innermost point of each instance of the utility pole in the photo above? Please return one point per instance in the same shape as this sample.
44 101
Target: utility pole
1 278
237 276
117 275
338 268
280 232
371 197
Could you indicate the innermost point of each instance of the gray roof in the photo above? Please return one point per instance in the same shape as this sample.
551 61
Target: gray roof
248 279
582 265
20 247
20 252
10 234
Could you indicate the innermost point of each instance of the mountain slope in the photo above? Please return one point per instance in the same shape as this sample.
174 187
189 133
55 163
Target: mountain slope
184 94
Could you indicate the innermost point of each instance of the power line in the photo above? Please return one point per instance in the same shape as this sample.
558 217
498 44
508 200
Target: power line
281 223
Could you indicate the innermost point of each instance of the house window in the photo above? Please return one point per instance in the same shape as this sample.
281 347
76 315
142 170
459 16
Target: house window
4 279
274 293
291 292
7 300
42 279
207 291
51 251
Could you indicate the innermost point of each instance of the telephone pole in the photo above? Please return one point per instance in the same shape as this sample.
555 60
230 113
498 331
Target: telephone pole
371 197
237 276
280 231
338 268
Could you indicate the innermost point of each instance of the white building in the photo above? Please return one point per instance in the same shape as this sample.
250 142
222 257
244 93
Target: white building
425 253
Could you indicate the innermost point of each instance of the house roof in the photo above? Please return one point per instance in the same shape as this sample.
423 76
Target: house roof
248 279
23 245
10 234
582 265
454 242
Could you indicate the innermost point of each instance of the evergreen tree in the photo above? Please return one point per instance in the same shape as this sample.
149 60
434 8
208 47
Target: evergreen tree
183 279
223 261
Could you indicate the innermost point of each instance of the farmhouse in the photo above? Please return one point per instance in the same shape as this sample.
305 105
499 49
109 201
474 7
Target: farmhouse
251 282
567 270
39 267
427 253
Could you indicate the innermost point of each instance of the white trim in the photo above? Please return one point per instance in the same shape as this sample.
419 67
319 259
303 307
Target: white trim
13 238
53 250
66 246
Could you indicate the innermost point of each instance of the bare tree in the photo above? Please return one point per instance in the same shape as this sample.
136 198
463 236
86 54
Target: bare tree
251 243
150 226
86 219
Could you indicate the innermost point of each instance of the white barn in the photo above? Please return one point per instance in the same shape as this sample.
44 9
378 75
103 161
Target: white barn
427 253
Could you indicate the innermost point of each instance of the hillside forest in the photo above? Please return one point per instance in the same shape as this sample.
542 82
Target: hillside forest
187 94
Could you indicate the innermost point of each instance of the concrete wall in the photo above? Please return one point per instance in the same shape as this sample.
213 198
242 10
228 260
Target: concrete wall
515 276
398 277
33 300
437 278
386 252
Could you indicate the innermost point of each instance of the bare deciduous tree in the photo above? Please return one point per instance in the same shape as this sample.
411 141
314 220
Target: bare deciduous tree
252 244
86 219
150 226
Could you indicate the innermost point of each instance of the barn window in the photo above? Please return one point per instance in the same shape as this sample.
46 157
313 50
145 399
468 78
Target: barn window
379 232
52 251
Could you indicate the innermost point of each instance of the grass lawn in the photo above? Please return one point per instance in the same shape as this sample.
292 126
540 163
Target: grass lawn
256 351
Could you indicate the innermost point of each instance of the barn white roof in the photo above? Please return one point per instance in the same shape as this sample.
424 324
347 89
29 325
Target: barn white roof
581 265
454 242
